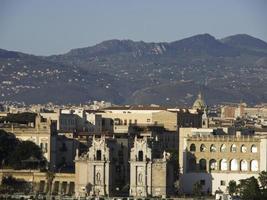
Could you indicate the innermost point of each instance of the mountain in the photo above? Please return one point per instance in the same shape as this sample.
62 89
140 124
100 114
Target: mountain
203 44
247 42
125 71
33 79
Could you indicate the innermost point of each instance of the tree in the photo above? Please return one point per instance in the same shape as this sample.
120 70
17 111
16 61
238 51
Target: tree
11 185
249 189
263 182
232 187
21 118
8 142
25 150
263 179
14 152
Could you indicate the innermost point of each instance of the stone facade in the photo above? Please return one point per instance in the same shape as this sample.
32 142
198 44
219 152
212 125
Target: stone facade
143 168
62 184
93 171
214 160
107 170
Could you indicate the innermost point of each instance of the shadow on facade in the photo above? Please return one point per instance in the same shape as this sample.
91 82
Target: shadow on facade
195 171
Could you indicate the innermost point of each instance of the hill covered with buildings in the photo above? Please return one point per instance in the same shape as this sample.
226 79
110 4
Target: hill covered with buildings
136 72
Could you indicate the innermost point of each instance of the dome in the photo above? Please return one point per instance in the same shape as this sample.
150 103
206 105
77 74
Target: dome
199 103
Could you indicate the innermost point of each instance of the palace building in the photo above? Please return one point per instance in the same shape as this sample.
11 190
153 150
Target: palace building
215 160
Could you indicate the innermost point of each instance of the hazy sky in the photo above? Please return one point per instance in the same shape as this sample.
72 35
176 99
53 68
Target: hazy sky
46 27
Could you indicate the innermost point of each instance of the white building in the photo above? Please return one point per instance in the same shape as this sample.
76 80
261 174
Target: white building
216 160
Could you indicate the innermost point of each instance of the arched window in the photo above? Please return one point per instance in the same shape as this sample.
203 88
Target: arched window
213 148
192 147
140 156
223 165
192 164
213 164
254 148
234 165
223 148
233 148
202 148
243 149
244 165
202 164
98 155
254 165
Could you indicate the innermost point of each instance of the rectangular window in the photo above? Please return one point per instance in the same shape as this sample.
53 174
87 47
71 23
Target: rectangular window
148 120
125 122
135 121
130 121
223 183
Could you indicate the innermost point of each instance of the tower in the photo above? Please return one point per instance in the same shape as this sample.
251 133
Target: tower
199 103
140 168
148 175
93 175
205 119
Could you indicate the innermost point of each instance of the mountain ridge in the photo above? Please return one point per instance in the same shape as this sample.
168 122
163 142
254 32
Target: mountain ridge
114 70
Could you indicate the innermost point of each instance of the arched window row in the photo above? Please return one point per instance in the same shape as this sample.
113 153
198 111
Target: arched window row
224 165
235 165
223 148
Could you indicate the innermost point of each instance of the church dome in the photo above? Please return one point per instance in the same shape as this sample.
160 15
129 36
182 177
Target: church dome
199 103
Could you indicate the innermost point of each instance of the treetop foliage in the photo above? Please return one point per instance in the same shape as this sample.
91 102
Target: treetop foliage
18 154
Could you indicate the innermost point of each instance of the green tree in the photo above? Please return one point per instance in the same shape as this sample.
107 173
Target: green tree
232 187
26 150
21 118
10 185
8 142
14 152
249 189
263 179
263 182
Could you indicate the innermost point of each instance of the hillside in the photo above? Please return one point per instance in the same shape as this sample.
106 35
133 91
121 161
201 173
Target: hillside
125 71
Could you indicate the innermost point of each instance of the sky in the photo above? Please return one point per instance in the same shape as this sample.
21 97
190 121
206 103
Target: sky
46 27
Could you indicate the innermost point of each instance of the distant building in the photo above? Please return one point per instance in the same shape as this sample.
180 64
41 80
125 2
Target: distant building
42 132
214 160
199 103
67 119
241 110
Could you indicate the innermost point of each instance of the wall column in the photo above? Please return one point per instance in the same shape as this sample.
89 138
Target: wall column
68 188
59 188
